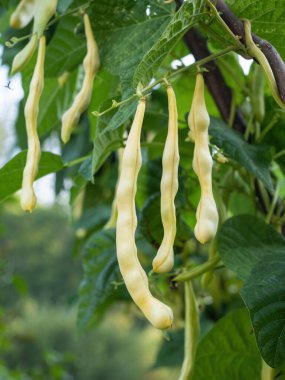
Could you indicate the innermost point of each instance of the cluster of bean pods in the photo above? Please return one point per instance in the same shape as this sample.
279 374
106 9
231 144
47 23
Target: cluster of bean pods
159 314
41 12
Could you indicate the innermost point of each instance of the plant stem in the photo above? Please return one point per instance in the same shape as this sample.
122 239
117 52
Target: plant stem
166 77
197 271
268 128
272 206
192 332
76 161
239 45
279 154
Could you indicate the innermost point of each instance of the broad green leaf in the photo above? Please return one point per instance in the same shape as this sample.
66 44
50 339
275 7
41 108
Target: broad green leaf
255 158
53 102
104 144
97 291
148 181
93 218
181 21
264 295
11 174
125 39
66 50
171 350
229 350
244 240
133 28
122 115
105 86
151 225
267 17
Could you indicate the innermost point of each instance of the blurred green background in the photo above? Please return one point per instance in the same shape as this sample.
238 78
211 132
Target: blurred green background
39 337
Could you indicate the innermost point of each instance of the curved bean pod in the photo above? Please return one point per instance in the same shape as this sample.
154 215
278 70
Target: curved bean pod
23 14
159 314
163 262
43 11
81 102
23 57
206 214
28 198
255 52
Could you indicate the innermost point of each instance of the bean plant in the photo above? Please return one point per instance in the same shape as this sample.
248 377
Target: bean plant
172 155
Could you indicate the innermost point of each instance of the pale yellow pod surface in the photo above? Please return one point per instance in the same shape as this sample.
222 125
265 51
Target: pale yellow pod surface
207 219
23 14
207 214
23 57
43 13
159 314
28 198
164 260
81 102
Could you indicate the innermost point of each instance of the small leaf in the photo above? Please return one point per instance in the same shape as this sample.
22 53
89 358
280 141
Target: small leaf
244 240
11 174
229 350
255 158
264 295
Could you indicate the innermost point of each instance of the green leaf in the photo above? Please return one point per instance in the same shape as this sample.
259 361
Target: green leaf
66 50
122 115
11 174
129 33
264 295
181 21
255 158
104 144
97 292
267 19
229 350
125 39
244 240
171 351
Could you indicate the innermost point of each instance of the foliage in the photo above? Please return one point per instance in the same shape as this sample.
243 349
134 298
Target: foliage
141 47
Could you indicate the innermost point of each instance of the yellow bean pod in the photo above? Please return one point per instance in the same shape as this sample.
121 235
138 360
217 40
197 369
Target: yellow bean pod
43 11
28 198
81 102
23 14
159 314
256 53
23 57
163 262
206 214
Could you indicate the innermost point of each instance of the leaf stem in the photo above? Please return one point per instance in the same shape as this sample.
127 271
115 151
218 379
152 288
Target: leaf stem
197 271
279 154
272 206
216 13
76 161
201 62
